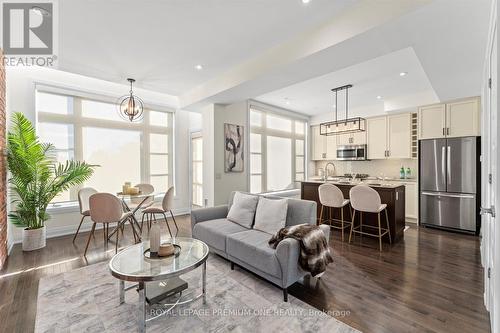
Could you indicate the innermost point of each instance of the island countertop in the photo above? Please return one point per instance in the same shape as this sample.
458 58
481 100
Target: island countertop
392 194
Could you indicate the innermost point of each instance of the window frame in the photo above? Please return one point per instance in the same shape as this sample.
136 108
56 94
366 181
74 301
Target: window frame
79 122
264 132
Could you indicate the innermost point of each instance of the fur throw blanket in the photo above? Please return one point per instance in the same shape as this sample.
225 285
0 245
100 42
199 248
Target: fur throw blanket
314 251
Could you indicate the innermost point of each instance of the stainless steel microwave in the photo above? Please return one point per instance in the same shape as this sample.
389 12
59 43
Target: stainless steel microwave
351 153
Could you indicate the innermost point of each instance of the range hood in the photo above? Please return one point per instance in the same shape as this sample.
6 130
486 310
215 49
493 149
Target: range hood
342 126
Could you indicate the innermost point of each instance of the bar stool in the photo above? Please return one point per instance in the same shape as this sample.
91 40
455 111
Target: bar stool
331 196
365 199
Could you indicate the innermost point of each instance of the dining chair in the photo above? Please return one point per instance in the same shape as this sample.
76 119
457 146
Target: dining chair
106 208
365 199
330 196
166 206
83 201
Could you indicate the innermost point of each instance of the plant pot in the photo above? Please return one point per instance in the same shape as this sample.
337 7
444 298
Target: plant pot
34 239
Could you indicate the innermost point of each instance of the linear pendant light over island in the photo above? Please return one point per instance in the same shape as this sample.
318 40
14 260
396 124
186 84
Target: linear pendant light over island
347 125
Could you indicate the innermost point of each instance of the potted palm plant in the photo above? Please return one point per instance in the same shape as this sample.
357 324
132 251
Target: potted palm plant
35 179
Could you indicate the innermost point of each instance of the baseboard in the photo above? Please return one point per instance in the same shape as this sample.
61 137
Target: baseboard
53 232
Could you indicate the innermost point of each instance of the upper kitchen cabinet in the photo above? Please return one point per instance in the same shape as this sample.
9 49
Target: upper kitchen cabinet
389 137
357 138
431 121
462 118
323 147
454 119
376 132
399 136
318 144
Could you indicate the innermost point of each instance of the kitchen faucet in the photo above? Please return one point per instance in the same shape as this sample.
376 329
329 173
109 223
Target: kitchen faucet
325 173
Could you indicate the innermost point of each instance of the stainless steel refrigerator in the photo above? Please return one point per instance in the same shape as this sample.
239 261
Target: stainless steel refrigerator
449 179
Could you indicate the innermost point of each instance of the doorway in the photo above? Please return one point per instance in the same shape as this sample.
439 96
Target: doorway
196 170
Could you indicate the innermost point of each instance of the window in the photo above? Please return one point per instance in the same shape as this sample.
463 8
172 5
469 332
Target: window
277 151
92 130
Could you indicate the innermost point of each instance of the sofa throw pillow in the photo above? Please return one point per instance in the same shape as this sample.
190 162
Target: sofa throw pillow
270 216
243 209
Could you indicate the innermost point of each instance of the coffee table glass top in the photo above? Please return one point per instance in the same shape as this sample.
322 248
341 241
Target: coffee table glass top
131 265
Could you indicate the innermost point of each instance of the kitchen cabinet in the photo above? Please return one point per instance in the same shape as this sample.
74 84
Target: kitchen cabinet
453 119
318 144
323 148
331 147
431 121
389 137
411 200
462 118
399 136
376 131
357 138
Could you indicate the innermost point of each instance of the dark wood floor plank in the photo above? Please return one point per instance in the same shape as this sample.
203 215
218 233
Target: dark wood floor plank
430 282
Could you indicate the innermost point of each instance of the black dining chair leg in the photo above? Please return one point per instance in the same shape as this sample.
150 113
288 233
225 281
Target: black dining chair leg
142 221
88 240
166 221
176 227
77 230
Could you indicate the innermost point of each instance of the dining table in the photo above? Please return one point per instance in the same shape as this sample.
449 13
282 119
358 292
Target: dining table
141 201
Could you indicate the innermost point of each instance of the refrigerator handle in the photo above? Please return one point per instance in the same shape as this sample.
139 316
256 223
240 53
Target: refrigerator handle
443 164
448 164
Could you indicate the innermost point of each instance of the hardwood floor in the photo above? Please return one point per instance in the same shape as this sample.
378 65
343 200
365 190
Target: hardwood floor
430 282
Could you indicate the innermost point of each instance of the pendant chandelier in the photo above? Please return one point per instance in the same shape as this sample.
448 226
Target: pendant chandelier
347 125
131 106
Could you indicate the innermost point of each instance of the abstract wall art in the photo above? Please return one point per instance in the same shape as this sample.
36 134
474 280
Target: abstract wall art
233 148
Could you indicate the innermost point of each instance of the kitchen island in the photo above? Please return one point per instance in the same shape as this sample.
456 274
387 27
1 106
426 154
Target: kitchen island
390 193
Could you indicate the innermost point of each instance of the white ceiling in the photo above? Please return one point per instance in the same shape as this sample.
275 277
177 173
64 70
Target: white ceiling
440 43
372 78
160 42
444 47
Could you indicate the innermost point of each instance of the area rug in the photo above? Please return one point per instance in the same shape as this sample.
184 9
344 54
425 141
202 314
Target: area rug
86 300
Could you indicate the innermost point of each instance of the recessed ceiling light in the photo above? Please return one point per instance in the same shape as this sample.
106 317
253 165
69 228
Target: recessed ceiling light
403 73
334 106
306 1
379 97
199 67
287 101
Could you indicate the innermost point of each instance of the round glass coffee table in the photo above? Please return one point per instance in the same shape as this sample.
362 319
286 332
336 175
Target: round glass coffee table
131 265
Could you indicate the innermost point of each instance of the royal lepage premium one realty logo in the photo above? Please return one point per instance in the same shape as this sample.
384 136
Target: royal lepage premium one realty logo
28 33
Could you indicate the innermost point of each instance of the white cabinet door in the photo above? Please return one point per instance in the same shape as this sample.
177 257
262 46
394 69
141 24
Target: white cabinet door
331 147
411 200
359 138
432 121
318 144
376 132
399 136
462 118
344 139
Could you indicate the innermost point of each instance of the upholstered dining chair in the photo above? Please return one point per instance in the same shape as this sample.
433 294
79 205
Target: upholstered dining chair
106 208
330 196
165 207
83 201
365 199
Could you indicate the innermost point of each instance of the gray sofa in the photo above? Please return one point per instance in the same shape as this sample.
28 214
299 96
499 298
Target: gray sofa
249 248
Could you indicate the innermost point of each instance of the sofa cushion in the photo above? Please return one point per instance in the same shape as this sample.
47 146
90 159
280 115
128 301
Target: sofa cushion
242 210
214 232
252 248
270 215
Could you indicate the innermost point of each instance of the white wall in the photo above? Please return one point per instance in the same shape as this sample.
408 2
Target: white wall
21 98
217 184
224 182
